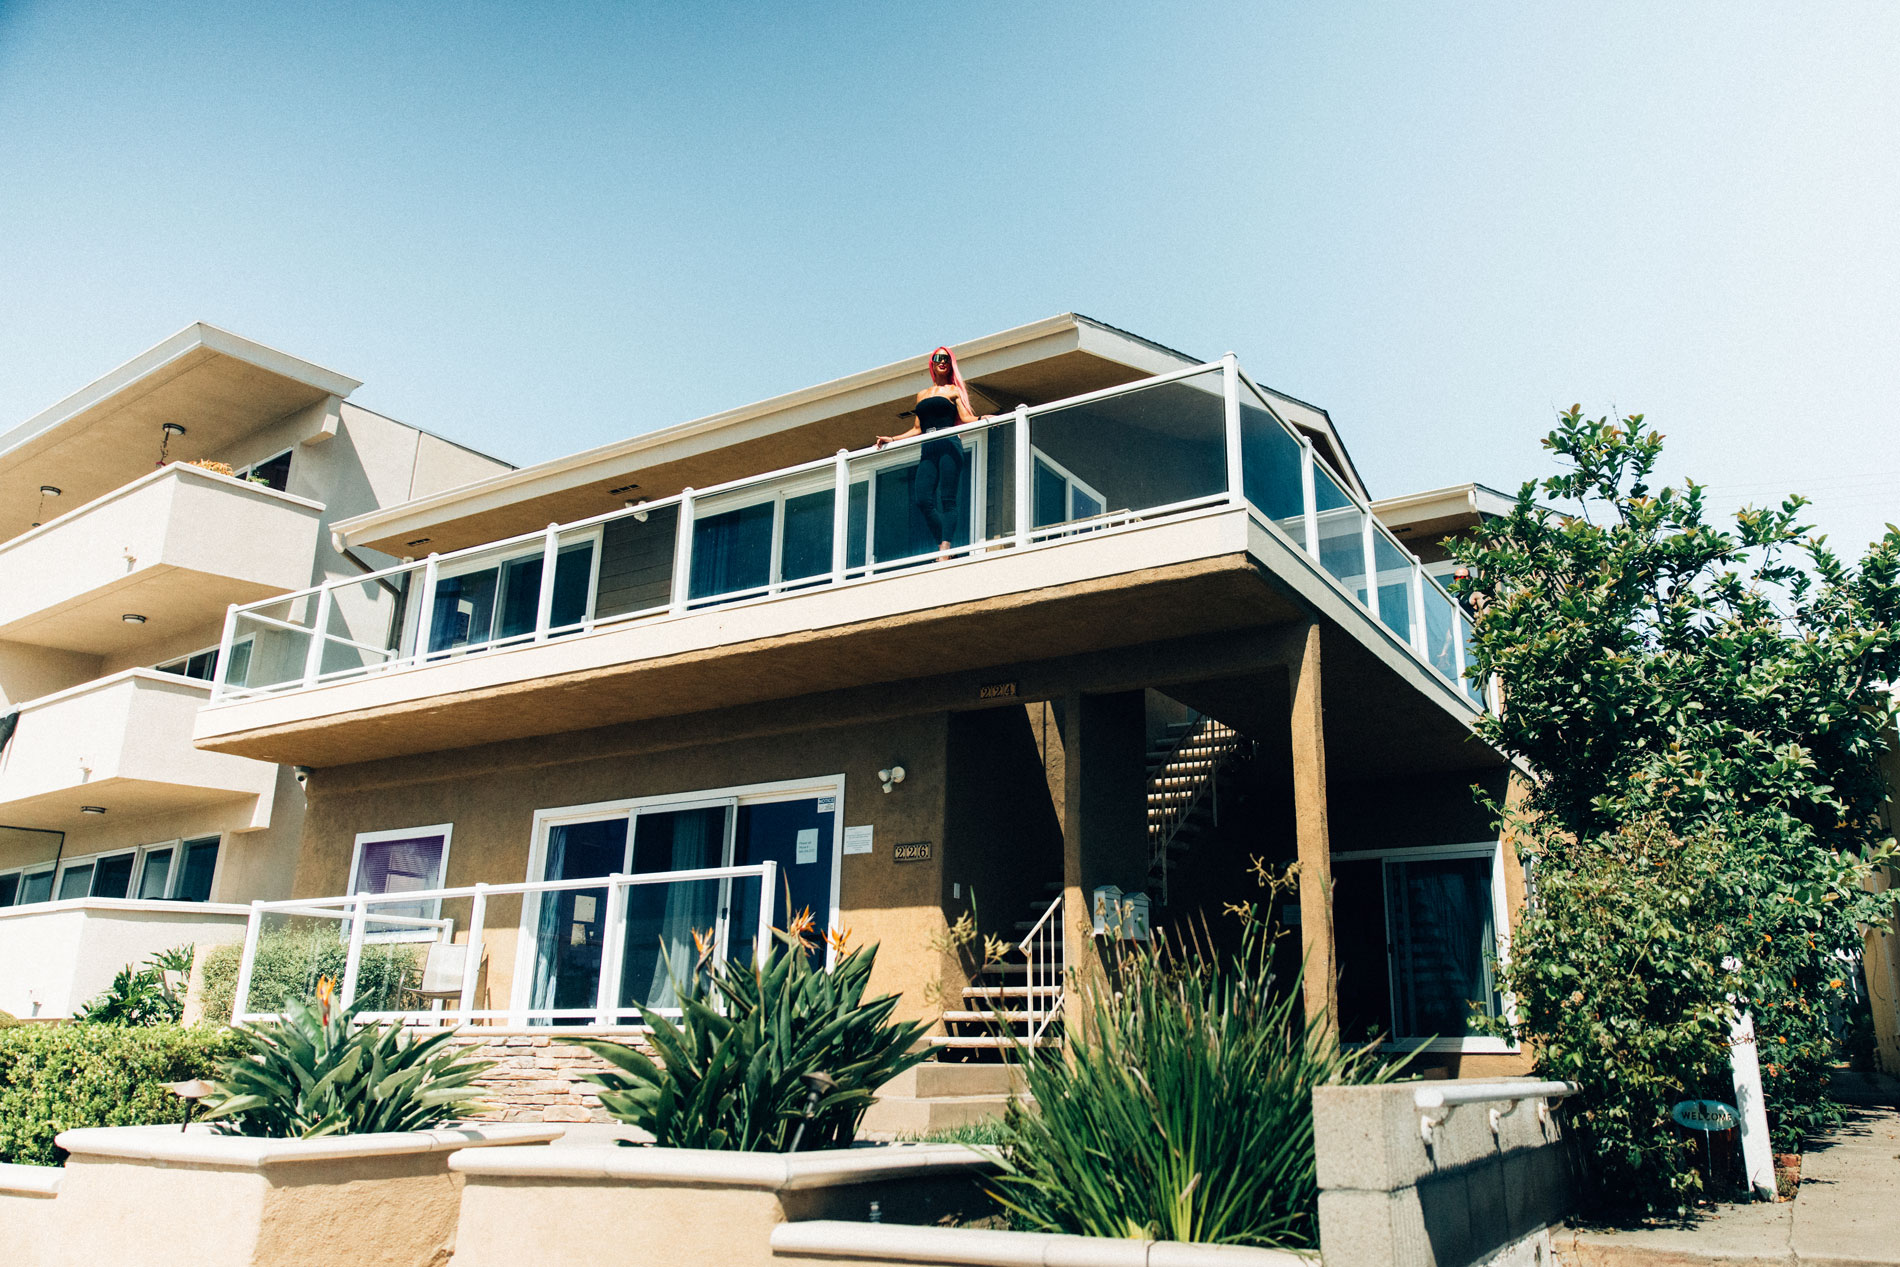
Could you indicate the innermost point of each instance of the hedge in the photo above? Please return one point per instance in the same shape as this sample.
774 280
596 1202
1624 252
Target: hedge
57 1077
290 961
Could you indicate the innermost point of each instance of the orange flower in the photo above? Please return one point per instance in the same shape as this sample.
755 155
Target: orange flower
838 939
799 930
704 943
326 991
1836 983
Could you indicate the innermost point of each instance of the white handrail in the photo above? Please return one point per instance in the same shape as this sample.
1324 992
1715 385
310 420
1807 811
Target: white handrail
1492 1092
1041 973
837 465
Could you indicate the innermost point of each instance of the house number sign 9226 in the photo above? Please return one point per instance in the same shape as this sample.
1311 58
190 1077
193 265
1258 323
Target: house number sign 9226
915 851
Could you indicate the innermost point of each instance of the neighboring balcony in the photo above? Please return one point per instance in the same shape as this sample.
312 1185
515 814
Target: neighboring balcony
1171 508
60 955
121 743
177 546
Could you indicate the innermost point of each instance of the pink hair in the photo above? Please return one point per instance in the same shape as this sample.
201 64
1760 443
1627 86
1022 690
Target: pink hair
955 375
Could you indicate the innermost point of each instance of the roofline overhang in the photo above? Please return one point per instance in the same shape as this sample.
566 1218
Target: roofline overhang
1434 503
149 369
620 456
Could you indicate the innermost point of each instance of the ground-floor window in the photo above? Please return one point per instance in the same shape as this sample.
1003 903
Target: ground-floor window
573 968
1420 934
407 860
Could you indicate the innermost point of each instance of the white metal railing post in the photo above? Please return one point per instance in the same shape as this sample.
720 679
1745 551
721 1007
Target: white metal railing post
1025 479
613 933
241 998
319 628
224 653
1371 552
1458 627
768 885
472 960
359 924
683 553
1309 497
1230 400
425 607
840 513
544 602
1415 593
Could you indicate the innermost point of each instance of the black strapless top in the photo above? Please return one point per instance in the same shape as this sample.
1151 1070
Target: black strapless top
936 412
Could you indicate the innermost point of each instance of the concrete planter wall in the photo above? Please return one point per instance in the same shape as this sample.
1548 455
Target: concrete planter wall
162 1197
685 1206
828 1244
26 1212
1483 1185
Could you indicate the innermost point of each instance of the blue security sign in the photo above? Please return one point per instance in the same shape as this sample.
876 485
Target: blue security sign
1706 1115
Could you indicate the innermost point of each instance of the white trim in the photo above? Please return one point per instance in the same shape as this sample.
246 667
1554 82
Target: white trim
139 853
1469 1044
1070 483
245 473
444 830
605 811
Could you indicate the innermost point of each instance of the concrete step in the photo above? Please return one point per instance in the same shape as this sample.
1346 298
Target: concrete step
1008 991
898 1115
932 1079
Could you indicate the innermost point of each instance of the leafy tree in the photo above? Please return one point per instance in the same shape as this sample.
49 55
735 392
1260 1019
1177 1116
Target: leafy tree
1702 711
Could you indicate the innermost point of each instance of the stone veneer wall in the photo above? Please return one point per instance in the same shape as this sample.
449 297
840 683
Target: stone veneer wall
538 1078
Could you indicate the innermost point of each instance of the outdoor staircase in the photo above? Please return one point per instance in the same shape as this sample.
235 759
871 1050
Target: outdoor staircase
1185 769
1015 1002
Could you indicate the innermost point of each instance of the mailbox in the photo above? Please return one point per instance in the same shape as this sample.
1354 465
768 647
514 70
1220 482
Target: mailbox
1105 912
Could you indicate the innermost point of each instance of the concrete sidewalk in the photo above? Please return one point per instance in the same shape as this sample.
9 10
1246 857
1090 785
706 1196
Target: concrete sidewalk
1846 1215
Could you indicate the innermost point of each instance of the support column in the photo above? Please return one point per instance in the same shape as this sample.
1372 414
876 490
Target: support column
1314 837
1104 816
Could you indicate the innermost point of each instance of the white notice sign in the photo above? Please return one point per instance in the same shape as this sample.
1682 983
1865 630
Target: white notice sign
808 844
857 839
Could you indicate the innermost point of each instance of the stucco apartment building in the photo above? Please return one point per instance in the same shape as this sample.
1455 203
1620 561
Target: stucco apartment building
119 557
629 692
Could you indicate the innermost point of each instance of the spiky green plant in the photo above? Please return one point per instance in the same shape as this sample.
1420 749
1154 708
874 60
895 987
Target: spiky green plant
143 996
1182 1109
731 1069
316 1072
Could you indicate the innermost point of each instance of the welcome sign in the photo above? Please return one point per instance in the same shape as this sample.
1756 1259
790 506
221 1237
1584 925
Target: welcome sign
1706 1115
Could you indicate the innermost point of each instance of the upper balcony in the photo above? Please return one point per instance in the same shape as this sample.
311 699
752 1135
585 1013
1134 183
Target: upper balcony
1179 505
176 546
121 743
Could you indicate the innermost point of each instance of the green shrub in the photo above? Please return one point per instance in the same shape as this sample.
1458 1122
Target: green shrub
143 996
733 1068
1182 1108
291 961
8 1020
57 1077
318 1072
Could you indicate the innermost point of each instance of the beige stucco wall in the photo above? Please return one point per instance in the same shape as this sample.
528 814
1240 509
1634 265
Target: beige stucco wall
60 955
491 795
28 672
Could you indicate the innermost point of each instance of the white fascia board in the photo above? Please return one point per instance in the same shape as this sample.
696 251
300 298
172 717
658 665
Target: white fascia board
715 431
151 364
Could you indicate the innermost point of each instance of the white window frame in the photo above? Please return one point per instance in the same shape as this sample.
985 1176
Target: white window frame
1469 1044
178 662
545 820
498 563
445 830
245 472
1070 483
174 873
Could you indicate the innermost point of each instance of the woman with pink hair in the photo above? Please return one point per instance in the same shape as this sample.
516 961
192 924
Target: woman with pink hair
933 485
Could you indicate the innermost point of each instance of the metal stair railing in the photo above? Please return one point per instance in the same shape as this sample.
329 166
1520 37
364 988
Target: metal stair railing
1042 948
1217 743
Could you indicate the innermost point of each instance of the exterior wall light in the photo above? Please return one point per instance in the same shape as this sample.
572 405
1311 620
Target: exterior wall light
639 516
47 490
92 809
133 618
891 777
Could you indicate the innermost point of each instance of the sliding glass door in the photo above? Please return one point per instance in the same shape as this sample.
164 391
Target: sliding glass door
672 929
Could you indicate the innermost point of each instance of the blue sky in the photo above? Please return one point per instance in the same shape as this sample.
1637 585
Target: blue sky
536 228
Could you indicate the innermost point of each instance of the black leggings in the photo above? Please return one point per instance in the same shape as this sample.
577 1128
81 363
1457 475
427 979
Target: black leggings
934 484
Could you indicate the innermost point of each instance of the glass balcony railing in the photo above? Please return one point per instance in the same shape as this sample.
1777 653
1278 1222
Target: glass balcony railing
1200 438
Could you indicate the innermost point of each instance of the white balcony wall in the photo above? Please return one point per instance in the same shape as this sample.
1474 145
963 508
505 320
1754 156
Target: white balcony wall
122 742
59 955
176 546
